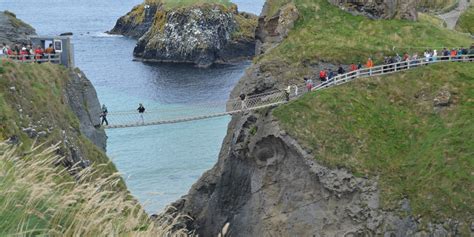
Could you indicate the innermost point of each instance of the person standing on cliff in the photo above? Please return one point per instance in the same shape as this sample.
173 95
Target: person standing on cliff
103 115
141 110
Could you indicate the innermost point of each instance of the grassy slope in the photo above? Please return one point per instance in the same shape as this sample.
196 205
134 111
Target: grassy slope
29 189
324 32
39 92
39 198
466 21
387 127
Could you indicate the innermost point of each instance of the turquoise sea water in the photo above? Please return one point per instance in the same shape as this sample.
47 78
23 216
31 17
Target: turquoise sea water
158 163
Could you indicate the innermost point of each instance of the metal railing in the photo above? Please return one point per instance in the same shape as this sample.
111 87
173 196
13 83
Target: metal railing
35 58
390 68
268 99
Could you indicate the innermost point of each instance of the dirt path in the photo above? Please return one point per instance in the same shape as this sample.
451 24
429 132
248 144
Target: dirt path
452 17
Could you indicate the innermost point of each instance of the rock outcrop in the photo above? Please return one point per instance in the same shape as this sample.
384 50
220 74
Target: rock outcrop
265 184
272 29
82 98
14 30
201 35
381 9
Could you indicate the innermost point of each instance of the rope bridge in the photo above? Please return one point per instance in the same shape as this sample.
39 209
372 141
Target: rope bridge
185 113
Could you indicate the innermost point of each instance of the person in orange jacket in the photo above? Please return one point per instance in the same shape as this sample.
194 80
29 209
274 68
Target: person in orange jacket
370 63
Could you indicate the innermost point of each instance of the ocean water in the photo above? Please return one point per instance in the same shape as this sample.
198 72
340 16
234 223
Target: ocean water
159 163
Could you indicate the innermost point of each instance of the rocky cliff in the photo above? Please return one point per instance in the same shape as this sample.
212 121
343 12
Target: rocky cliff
197 34
381 9
82 98
266 183
14 30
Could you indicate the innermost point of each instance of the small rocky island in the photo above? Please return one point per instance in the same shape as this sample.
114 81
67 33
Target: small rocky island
200 34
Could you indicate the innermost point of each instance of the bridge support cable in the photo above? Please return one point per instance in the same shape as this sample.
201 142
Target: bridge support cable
259 101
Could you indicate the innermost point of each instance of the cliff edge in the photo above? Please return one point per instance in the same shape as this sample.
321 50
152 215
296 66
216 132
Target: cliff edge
278 175
14 30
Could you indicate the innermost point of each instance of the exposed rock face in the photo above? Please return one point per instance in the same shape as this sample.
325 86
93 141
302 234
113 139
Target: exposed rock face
265 184
13 30
82 98
137 22
201 35
381 9
271 30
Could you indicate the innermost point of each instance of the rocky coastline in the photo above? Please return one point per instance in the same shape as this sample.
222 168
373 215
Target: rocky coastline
266 184
201 35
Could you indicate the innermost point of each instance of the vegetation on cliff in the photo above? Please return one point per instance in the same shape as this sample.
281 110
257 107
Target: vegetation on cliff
40 192
412 130
33 110
466 21
324 32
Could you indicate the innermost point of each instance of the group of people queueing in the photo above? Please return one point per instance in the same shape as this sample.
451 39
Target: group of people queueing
105 112
25 52
429 55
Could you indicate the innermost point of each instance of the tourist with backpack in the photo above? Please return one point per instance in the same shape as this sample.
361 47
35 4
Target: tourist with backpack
322 75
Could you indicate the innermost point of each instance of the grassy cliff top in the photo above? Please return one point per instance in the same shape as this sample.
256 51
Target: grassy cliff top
172 4
324 32
388 127
466 21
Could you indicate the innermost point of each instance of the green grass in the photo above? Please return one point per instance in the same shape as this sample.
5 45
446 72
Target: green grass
38 91
39 198
324 32
466 21
387 127
172 4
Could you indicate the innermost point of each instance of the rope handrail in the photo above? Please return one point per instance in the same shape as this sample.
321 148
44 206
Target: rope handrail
268 99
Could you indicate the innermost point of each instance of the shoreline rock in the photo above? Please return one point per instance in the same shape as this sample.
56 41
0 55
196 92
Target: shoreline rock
201 35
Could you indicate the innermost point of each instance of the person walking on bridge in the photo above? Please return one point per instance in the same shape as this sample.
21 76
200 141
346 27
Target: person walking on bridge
103 115
141 110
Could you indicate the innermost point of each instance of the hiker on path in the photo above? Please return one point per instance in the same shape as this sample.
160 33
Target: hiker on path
370 63
103 115
141 110
341 70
